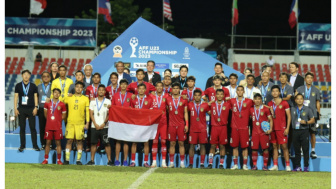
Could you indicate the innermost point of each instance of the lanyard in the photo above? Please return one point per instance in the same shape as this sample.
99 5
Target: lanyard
255 112
25 89
299 112
249 95
62 85
183 83
114 91
122 100
166 90
94 90
274 107
192 94
282 91
234 91
99 107
221 106
157 100
264 89
240 107
176 105
307 92
143 100
52 104
45 90
198 110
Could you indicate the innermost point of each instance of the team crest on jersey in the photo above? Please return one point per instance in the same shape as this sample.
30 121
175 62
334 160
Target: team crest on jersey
202 109
128 99
76 101
59 107
146 102
224 108
235 109
268 89
261 113
180 103
285 92
164 99
304 113
244 105
280 106
313 94
105 105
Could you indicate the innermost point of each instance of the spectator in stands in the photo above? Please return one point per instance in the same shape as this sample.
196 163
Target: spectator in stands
167 72
182 78
266 68
88 69
150 76
102 46
294 78
26 96
54 71
247 72
121 74
126 70
43 91
38 58
218 71
270 61
79 77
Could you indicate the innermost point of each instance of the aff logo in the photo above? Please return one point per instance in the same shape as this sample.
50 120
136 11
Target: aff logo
134 42
117 50
186 53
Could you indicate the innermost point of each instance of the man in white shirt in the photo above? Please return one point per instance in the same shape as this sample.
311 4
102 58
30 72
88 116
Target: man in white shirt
233 78
270 61
250 89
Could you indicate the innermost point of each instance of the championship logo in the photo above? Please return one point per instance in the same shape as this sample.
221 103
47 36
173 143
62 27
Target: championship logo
186 53
117 50
134 42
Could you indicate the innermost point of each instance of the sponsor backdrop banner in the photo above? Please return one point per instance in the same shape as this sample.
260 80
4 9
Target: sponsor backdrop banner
143 41
50 31
314 36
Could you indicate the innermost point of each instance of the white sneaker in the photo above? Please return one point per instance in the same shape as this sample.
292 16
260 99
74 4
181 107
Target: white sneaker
171 165
288 168
163 164
182 164
274 168
153 164
245 167
234 167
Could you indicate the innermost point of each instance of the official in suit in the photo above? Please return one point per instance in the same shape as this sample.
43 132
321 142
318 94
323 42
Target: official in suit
182 78
121 74
88 69
294 78
150 76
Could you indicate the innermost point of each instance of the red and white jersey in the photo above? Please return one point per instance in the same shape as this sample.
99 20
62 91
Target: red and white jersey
91 91
110 91
242 122
190 93
133 88
176 119
263 116
163 106
211 93
119 99
279 122
198 121
167 90
142 103
54 124
224 114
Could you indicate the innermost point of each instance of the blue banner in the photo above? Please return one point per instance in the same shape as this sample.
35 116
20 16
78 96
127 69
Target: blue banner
314 36
50 31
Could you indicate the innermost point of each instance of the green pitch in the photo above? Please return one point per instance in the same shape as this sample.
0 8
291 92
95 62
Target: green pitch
72 176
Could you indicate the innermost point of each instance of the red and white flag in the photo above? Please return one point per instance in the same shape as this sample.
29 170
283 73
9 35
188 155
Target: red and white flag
294 14
133 125
37 6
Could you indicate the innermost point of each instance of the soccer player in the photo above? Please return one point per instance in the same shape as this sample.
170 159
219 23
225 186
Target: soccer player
167 82
250 89
92 90
233 85
62 83
240 126
259 114
285 89
142 101
78 109
160 103
219 112
99 111
122 98
188 93
178 123
79 77
198 127
265 87
114 87
133 87
211 91
312 100
54 111
302 117
280 109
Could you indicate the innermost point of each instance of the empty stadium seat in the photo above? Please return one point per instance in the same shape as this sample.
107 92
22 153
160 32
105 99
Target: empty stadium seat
249 65
320 73
327 73
88 61
242 67
313 70
256 69
235 66
60 61
52 60
305 68
8 59
300 71
284 68
81 61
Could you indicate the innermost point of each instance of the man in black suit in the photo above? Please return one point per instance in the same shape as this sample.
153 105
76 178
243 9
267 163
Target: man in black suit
264 68
150 75
294 78
218 71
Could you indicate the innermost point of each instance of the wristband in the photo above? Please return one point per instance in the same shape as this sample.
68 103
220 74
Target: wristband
187 123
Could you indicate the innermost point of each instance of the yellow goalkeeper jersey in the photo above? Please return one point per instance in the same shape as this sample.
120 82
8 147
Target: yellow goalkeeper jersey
63 85
78 109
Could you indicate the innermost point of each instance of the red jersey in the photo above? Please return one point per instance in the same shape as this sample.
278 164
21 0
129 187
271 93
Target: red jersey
110 91
167 90
198 122
91 91
163 106
145 103
243 121
263 116
211 93
133 88
279 122
190 94
176 119
119 99
224 114
54 124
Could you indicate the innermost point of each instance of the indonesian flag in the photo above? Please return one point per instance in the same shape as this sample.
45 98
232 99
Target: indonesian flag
294 14
133 125
37 6
234 12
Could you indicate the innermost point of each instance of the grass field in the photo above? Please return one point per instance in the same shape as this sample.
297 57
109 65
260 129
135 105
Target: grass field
72 176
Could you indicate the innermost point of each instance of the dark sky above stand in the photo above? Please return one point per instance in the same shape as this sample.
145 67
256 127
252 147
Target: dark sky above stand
210 19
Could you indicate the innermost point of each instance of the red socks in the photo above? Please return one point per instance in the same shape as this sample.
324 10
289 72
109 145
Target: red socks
191 159
59 157
202 159
275 162
287 163
154 149
133 157
46 156
146 158
265 155
221 160
254 157
171 157
235 160
163 149
182 157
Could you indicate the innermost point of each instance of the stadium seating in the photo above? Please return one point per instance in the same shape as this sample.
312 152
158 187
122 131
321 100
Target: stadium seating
256 69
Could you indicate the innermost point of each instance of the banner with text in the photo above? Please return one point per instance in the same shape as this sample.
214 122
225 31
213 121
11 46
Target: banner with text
50 31
314 37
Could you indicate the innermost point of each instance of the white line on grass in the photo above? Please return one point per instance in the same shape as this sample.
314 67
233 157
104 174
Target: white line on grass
142 178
